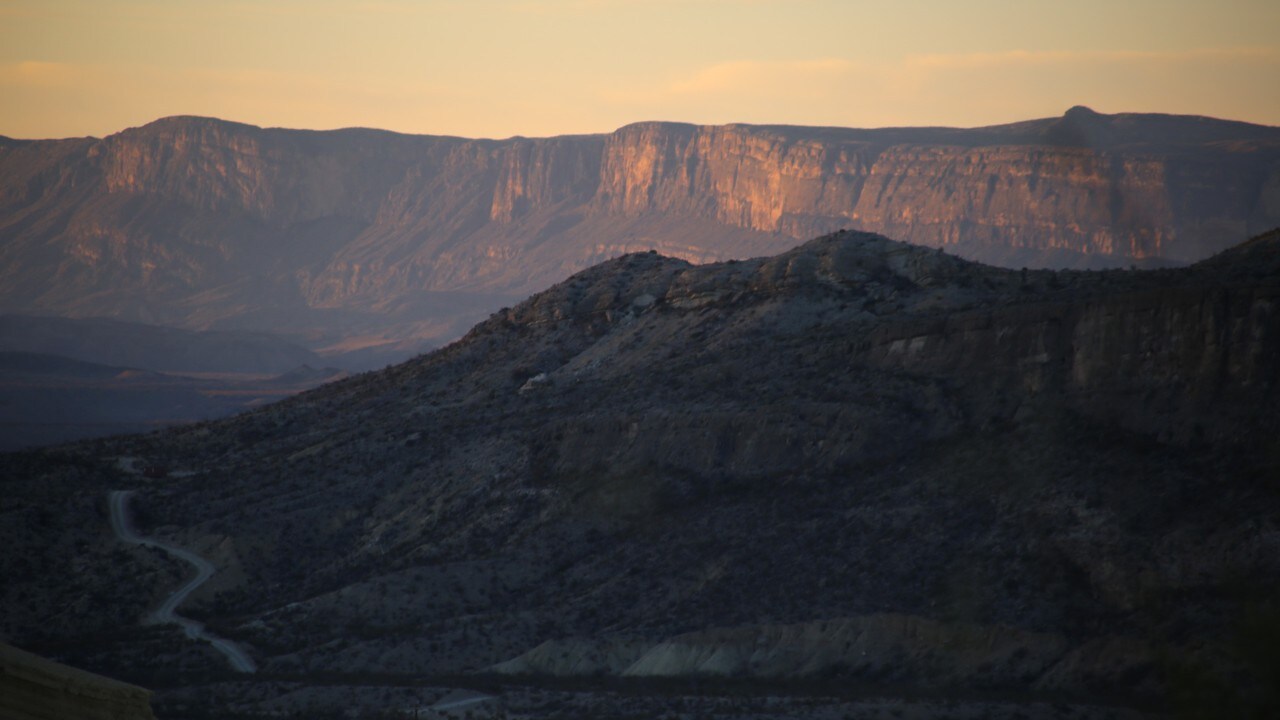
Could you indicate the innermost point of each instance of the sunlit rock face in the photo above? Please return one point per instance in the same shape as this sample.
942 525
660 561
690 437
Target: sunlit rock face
993 194
200 222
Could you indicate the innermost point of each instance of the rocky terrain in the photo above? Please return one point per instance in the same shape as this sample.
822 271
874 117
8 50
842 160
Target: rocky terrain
34 688
859 469
163 349
361 241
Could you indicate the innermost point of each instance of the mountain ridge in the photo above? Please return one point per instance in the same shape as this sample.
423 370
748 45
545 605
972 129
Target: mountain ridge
980 477
1078 114
204 223
116 342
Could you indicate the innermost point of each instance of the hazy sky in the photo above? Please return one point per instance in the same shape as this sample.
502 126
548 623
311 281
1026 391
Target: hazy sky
495 68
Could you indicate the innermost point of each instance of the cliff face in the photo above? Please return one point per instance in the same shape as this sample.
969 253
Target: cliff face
993 198
200 222
740 176
280 177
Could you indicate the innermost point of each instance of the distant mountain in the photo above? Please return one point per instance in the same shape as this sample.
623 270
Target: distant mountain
47 399
859 462
64 379
114 342
35 367
362 241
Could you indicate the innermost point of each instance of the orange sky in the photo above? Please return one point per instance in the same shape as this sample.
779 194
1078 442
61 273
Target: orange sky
495 68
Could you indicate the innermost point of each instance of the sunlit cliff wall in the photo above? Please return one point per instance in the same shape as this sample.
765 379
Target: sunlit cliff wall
200 212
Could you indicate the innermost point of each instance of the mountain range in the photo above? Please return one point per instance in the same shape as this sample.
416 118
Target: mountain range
855 464
63 379
164 349
365 241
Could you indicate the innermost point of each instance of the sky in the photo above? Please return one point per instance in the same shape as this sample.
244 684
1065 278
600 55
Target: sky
497 68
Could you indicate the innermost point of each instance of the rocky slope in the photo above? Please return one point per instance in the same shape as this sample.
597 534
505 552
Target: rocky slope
859 461
32 688
363 239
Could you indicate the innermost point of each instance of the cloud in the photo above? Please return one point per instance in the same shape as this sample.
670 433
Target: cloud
744 81
751 74
38 73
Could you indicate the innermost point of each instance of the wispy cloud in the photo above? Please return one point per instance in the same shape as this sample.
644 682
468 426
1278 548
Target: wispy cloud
751 74
741 79
38 73
562 5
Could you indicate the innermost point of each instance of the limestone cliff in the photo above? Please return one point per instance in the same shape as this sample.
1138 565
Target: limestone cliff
199 222
1036 192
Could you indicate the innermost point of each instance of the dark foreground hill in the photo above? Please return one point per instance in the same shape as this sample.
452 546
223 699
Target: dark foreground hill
860 463
366 241
31 687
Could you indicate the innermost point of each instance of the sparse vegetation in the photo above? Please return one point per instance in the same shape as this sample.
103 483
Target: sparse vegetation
1017 475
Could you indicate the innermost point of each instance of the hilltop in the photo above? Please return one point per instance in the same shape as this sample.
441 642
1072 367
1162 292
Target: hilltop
859 461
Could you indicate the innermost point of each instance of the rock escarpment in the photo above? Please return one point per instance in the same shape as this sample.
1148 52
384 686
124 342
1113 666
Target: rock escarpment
199 222
1033 194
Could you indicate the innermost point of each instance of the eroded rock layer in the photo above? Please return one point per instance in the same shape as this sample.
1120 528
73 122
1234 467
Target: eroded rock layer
199 222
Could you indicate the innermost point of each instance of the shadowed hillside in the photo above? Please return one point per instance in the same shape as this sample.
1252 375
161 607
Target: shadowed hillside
859 463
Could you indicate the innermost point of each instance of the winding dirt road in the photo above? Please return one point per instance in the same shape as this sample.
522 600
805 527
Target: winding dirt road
455 704
239 660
